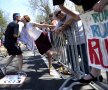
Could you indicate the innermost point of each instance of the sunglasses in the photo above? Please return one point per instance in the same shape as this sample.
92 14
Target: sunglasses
58 13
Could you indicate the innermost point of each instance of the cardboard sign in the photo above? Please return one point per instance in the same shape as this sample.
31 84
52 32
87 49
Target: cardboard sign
13 79
96 30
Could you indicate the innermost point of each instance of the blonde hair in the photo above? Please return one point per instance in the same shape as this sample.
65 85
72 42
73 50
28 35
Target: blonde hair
27 18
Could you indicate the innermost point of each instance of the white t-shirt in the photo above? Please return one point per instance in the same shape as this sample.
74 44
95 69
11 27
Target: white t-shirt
34 32
29 34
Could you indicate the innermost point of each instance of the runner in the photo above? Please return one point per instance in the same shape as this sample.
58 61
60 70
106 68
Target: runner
10 43
31 35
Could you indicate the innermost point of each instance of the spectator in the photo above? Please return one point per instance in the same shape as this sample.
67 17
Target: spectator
64 24
52 22
96 5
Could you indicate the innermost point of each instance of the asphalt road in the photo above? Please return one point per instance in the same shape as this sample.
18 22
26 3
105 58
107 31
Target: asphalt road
38 77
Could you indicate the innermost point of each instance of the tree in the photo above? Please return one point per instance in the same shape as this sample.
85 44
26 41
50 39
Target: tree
43 8
3 23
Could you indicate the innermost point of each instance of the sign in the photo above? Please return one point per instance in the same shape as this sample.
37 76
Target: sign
96 30
13 79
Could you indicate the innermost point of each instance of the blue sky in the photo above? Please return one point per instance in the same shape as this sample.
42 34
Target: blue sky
12 6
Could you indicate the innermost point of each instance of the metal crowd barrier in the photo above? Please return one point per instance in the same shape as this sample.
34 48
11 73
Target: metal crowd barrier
70 55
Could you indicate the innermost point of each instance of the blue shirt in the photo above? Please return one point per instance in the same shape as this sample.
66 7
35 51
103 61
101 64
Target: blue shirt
12 28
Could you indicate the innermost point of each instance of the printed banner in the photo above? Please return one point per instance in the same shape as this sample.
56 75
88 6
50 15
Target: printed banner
13 79
96 30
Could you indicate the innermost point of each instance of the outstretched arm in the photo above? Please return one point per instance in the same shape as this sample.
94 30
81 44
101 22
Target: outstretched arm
43 25
64 9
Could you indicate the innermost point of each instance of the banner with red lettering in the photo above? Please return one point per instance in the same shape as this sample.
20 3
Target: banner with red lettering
96 30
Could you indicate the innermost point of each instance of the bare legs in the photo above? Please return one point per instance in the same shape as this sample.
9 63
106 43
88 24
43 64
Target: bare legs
20 61
49 54
10 60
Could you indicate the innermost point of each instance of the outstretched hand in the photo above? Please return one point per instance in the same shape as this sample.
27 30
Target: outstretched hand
99 6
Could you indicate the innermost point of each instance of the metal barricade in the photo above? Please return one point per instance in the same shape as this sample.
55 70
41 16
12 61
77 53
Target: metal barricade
71 53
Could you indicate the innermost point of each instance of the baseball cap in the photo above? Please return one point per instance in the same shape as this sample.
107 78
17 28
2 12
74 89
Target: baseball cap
15 15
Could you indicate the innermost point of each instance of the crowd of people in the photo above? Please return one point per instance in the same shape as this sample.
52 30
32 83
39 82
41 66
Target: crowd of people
35 35
96 5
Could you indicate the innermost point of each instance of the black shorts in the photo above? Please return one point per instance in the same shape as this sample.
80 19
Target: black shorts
13 49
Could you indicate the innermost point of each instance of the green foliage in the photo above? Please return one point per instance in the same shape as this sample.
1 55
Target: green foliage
43 8
3 21
40 18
